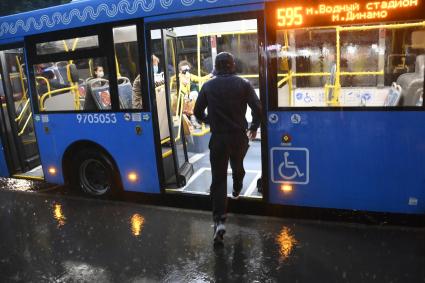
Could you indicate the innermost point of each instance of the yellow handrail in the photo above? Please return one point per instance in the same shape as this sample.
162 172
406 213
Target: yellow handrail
21 77
165 140
167 153
204 131
74 88
117 66
74 45
25 125
45 80
17 119
337 84
49 94
65 46
387 26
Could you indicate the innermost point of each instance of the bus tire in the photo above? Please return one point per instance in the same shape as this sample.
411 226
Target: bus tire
95 173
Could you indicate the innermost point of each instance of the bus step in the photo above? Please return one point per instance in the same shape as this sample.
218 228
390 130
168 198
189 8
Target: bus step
185 172
32 161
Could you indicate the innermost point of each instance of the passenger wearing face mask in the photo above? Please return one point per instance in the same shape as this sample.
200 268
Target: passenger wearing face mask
137 88
98 72
189 91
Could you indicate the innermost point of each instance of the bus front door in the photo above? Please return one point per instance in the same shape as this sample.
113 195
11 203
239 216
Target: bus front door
18 137
169 103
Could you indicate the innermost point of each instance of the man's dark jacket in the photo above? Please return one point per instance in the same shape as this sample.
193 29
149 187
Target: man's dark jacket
226 97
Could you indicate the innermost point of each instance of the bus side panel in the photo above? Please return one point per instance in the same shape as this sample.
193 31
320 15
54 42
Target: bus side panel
132 152
371 161
4 171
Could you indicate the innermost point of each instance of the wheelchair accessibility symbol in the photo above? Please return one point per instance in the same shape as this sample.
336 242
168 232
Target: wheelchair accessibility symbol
290 165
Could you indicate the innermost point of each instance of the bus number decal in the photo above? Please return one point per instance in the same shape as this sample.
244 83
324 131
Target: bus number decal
97 118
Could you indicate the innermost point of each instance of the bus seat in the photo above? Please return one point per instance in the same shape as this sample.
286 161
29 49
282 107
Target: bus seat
55 78
98 89
393 97
73 73
125 92
412 84
63 76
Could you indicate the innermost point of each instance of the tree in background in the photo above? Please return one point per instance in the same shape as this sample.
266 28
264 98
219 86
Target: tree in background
8 7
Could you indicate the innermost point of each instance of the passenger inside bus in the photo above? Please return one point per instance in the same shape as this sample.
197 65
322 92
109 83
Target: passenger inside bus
98 96
137 102
189 91
98 72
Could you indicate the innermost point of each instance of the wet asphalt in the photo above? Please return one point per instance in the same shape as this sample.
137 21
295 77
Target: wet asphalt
49 237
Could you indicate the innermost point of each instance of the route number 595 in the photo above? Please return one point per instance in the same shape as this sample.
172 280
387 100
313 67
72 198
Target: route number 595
287 17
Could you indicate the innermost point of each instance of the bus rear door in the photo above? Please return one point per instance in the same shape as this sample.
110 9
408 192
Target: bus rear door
19 140
169 103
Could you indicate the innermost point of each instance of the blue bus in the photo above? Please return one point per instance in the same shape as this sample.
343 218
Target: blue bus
100 94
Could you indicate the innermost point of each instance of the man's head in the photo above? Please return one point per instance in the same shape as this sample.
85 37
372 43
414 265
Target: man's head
225 63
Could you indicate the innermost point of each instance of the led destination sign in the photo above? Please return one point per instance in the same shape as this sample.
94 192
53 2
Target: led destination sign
315 13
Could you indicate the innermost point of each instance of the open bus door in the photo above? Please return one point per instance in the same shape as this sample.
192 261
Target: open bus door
19 140
169 100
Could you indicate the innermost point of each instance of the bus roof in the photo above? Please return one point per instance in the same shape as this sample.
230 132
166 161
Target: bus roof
89 12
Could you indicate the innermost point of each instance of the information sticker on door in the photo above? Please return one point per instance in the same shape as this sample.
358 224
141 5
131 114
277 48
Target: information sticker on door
290 165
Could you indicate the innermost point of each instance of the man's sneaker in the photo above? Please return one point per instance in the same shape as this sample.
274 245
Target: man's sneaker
219 231
235 195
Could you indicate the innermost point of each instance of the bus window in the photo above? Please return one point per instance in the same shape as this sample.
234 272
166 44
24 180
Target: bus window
74 85
381 65
128 70
66 45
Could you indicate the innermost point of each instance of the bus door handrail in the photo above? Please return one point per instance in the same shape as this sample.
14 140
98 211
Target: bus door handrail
19 118
25 125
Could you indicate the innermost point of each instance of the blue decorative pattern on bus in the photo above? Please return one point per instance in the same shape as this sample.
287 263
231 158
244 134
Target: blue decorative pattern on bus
89 11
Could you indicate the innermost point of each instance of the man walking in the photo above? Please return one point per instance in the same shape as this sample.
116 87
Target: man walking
226 97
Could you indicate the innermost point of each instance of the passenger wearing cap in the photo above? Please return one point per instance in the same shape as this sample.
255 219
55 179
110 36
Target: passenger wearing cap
226 97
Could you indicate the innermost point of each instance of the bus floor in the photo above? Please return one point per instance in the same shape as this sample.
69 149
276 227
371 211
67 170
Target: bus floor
33 174
200 181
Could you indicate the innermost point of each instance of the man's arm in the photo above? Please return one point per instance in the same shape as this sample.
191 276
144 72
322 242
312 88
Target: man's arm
200 106
255 105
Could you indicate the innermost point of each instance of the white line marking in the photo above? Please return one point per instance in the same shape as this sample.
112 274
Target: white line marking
196 193
201 170
252 186
229 171
194 176
35 169
196 157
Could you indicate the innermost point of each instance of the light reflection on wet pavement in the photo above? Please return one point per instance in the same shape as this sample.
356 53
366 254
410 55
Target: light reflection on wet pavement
56 238
23 185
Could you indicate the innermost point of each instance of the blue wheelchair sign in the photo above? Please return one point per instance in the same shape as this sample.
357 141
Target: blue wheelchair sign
290 165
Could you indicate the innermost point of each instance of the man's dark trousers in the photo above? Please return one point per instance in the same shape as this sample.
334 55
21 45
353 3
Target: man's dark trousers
225 147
